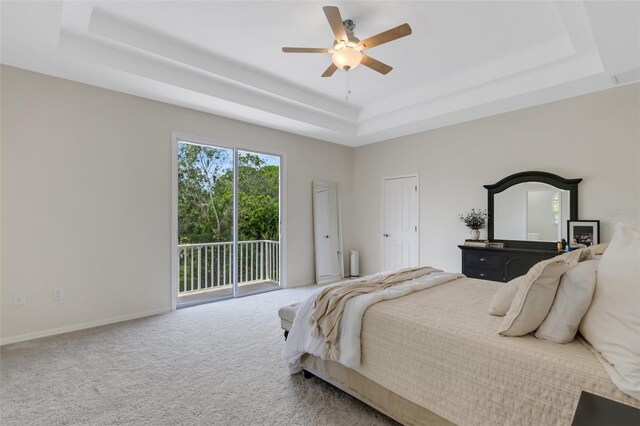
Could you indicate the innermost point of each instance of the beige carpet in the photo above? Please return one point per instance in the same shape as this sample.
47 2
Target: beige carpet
215 364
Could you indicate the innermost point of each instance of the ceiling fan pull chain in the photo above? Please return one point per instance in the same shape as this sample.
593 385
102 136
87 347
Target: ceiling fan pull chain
348 86
346 53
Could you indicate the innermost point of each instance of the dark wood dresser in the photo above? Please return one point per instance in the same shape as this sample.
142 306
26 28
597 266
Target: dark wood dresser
500 264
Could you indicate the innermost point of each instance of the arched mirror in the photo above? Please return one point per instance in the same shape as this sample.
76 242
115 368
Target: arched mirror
531 209
327 231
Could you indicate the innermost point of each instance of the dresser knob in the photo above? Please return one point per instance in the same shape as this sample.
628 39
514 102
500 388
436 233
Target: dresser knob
482 274
483 259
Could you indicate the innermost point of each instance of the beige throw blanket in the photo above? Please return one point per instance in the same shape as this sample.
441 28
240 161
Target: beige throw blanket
330 303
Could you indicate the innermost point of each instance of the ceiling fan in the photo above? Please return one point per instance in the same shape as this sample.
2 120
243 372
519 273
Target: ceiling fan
347 49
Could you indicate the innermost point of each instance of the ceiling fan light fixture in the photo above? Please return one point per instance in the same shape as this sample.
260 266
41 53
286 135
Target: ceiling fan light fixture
346 58
347 49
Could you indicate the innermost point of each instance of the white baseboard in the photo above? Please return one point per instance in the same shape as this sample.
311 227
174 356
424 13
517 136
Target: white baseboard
300 284
77 327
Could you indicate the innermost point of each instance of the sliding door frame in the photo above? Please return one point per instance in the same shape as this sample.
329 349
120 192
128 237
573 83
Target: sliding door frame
177 137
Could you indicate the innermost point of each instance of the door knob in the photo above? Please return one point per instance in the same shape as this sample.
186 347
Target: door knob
386 235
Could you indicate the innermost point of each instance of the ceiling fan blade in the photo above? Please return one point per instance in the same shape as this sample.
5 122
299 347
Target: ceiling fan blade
305 50
375 65
335 20
329 71
385 37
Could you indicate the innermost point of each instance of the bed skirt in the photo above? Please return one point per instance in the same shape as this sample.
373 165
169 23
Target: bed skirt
366 390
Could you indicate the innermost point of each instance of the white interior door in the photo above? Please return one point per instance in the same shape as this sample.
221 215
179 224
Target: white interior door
400 233
326 232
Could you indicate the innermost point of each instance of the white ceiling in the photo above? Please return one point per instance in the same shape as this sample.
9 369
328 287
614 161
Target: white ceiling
464 60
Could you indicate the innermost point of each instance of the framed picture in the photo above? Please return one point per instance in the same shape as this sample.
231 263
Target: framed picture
585 232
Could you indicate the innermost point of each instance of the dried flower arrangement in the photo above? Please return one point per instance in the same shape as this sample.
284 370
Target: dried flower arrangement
474 219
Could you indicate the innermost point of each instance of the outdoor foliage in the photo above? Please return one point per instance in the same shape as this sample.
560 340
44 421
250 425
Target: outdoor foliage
205 196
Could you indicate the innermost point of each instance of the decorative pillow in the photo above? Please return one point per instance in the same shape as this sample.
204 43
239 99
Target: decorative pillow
535 295
501 301
571 303
612 323
594 252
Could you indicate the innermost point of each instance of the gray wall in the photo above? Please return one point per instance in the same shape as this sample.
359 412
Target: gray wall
86 189
595 137
86 199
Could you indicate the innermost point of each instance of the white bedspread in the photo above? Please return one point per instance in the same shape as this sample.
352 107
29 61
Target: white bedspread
301 340
440 349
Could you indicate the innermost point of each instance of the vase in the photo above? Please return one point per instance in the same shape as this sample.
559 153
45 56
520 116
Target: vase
475 234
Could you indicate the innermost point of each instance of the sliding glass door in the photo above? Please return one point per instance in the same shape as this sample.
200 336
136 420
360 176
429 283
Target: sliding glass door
258 222
228 222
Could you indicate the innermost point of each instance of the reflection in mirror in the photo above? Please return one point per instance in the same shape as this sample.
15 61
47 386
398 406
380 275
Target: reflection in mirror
327 230
531 211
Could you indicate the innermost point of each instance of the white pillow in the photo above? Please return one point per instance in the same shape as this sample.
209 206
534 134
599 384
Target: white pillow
573 298
501 300
535 295
612 323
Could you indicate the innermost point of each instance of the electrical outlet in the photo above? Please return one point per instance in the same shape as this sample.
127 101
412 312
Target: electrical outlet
58 294
19 299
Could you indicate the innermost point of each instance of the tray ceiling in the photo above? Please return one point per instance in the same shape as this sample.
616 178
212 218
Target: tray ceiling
464 60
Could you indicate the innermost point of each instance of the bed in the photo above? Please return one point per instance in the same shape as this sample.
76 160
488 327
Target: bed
434 357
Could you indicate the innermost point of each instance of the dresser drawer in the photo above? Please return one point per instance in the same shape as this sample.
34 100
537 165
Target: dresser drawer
483 274
500 264
486 260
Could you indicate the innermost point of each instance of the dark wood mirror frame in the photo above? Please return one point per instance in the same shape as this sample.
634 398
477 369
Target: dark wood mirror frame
570 185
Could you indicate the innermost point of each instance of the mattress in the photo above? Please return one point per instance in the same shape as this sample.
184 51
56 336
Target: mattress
439 348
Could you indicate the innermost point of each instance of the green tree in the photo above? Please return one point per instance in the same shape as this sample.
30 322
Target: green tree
258 198
205 195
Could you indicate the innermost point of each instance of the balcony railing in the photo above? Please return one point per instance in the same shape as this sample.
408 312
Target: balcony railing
210 266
